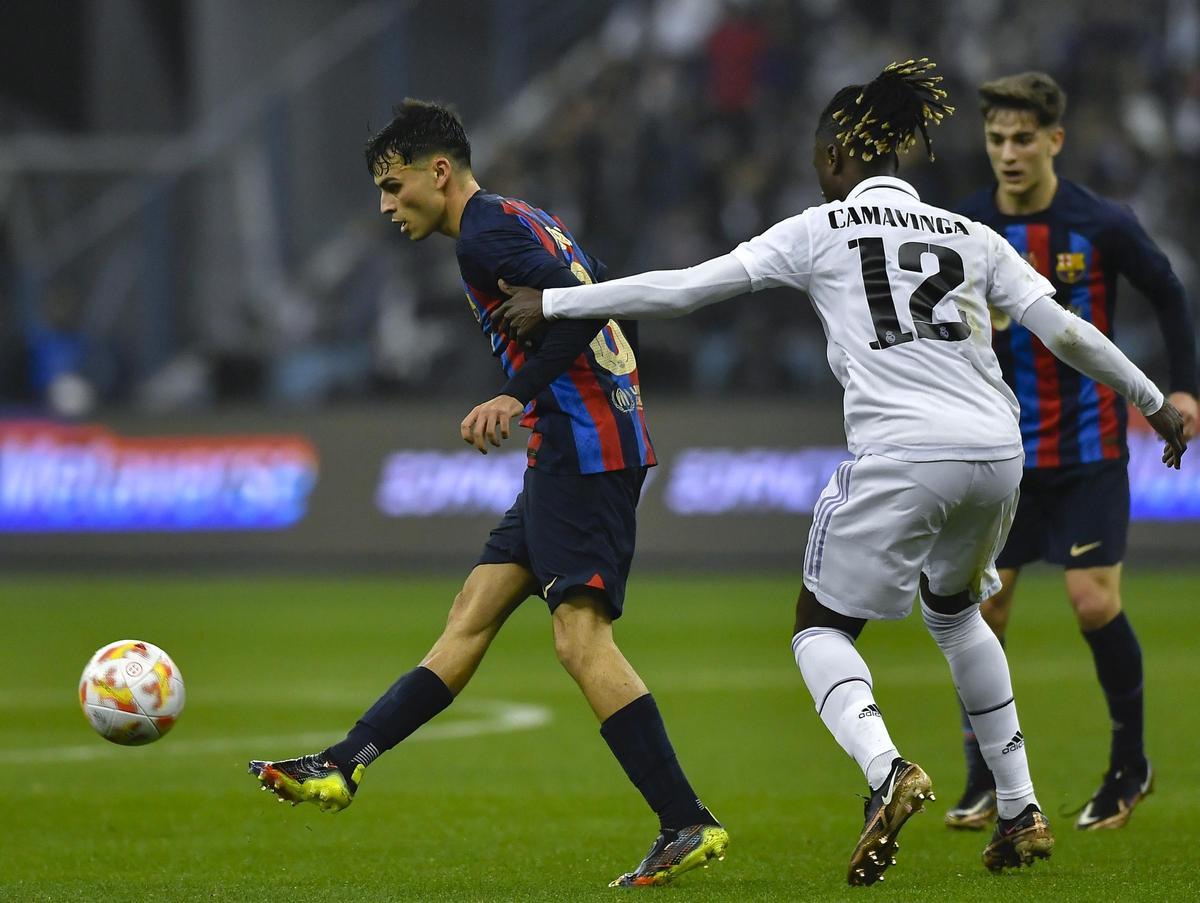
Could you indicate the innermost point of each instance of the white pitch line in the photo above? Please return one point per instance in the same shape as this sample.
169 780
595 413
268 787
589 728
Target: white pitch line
496 717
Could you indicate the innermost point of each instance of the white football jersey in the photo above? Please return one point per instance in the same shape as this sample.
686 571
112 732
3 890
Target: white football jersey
902 289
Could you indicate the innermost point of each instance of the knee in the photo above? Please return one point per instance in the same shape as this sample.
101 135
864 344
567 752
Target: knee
958 631
577 636
996 611
811 614
1095 603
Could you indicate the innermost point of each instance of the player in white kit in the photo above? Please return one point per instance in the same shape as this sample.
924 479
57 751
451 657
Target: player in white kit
902 289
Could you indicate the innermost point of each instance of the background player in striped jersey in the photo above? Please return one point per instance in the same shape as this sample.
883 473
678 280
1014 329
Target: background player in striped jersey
1074 508
569 536
901 288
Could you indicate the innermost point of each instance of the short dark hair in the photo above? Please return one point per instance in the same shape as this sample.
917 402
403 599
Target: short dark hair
418 128
1034 91
884 116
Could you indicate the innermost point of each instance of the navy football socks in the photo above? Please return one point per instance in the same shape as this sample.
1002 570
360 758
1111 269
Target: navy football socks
412 700
638 738
1118 658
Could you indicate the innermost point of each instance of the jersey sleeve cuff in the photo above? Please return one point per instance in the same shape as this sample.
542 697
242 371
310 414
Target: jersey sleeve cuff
1154 403
549 296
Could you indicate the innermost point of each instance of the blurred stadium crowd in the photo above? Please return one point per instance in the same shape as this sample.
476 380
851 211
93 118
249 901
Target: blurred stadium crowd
665 133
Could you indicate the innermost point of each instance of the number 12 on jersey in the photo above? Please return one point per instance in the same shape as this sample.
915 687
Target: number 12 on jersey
928 295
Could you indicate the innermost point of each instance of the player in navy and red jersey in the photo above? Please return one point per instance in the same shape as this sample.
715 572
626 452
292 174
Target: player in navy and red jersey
587 416
1074 507
569 536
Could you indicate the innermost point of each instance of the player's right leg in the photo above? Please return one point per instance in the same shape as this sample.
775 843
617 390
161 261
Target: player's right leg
330 778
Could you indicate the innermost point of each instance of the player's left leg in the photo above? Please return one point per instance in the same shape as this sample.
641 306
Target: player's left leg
632 726
1095 595
581 532
872 528
1093 513
841 688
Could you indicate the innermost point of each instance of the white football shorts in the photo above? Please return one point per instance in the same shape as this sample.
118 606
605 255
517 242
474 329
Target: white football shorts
881 522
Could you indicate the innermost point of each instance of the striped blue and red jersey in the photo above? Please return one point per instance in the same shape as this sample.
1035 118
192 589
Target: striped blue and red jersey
1082 243
580 380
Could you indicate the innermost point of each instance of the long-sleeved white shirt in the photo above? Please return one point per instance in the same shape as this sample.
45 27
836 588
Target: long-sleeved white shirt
902 289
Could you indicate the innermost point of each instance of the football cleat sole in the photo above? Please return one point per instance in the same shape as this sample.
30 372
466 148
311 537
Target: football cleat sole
877 846
330 794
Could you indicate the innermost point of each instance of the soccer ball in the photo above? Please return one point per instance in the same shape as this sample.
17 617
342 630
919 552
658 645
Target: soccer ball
131 692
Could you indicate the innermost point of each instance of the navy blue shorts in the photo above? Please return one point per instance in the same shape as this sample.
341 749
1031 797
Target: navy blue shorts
1077 517
572 531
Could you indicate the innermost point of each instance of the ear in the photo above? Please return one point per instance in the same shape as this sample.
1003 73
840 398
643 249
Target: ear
835 158
1057 134
443 169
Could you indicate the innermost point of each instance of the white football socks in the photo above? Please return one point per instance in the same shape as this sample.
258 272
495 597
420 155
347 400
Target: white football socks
840 684
980 673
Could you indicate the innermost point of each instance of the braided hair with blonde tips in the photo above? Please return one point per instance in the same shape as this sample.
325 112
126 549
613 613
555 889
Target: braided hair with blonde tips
885 115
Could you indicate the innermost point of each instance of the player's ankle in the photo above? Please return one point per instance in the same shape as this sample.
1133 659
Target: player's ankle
344 765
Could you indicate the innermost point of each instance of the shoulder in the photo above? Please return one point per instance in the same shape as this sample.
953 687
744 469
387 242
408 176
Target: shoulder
489 221
808 222
1082 203
795 232
484 213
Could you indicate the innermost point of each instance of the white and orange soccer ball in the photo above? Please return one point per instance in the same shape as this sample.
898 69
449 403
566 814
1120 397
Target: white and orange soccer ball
131 692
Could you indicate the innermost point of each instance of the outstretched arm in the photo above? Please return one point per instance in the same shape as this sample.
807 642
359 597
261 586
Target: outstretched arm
656 295
1081 345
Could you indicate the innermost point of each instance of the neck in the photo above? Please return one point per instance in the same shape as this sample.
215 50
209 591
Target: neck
457 195
1035 200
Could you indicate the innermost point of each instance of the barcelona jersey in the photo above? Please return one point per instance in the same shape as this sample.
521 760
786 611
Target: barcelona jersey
1081 243
588 418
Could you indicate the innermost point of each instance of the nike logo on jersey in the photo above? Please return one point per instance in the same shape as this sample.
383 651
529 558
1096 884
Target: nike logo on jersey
546 588
1077 549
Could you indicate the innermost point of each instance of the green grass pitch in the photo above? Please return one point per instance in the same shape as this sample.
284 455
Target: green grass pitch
511 794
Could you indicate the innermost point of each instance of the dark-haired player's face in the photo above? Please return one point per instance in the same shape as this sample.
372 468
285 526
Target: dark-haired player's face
409 195
1021 151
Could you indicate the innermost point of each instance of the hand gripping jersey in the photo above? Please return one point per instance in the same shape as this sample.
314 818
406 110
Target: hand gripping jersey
589 418
902 289
1080 243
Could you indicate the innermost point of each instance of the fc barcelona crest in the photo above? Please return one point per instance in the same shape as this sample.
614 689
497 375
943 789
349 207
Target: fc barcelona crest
1070 267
